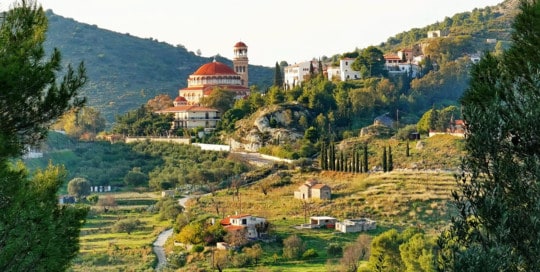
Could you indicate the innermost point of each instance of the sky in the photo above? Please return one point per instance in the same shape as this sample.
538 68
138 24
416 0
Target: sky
274 30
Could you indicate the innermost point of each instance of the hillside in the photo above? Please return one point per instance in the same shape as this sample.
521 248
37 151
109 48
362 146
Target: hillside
126 71
474 28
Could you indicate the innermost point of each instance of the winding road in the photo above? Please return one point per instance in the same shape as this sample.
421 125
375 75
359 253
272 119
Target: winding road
162 238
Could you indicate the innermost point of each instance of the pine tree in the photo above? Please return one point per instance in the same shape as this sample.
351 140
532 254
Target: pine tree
498 191
36 234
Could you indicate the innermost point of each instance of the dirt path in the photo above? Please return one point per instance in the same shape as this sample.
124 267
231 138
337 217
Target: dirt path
158 248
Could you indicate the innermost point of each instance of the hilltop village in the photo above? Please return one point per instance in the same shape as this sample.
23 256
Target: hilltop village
353 162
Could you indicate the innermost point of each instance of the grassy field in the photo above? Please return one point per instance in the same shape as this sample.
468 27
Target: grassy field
416 194
102 249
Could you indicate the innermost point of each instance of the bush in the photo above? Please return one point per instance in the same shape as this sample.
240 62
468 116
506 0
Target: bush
197 248
310 254
334 250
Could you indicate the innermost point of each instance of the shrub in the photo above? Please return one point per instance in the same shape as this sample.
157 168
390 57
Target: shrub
310 254
197 248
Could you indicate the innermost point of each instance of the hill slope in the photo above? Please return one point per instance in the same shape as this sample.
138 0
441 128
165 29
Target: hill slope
126 71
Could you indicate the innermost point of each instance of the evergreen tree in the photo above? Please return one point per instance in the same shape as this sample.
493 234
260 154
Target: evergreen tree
341 163
30 98
278 77
407 149
321 74
498 192
332 157
384 160
323 156
36 234
358 168
390 160
365 163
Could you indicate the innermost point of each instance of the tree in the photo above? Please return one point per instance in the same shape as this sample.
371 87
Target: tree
293 247
30 104
384 160
127 225
107 202
355 252
370 62
79 187
497 197
136 178
36 234
278 77
220 99
254 252
159 102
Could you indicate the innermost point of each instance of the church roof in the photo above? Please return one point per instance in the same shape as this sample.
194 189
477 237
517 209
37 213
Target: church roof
214 68
240 44
180 99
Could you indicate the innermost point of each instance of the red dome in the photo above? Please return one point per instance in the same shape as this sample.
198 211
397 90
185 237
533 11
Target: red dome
214 68
180 99
240 44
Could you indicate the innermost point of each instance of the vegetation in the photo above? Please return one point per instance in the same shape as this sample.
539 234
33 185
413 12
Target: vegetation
496 228
31 221
127 70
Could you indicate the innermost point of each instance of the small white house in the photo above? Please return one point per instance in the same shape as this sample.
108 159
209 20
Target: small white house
356 225
244 222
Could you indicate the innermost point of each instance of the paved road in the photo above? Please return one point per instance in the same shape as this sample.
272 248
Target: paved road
162 238
158 248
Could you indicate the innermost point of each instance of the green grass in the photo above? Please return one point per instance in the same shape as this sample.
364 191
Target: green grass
102 249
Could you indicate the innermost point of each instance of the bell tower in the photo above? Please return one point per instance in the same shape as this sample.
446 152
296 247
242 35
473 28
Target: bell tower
240 62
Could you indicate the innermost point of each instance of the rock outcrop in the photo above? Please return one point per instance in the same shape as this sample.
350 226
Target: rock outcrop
276 124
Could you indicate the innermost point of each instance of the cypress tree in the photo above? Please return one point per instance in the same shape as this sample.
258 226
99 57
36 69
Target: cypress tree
358 162
341 165
365 163
384 162
407 151
323 156
278 77
390 160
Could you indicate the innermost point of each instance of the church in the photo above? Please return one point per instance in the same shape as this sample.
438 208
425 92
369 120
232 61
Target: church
218 75
187 111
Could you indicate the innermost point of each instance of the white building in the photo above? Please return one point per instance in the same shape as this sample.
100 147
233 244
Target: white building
191 116
244 222
294 75
356 225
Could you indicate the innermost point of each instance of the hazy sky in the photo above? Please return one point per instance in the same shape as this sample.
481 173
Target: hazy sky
274 30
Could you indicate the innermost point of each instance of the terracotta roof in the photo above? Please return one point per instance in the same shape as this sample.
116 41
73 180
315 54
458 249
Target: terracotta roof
391 56
215 68
225 221
319 186
180 99
233 228
240 44
460 122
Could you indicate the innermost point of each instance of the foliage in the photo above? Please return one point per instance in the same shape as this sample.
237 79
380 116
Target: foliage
127 225
84 123
219 99
31 221
128 70
36 234
136 178
143 122
293 247
169 208
30 104
497 195
79 187
370 62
